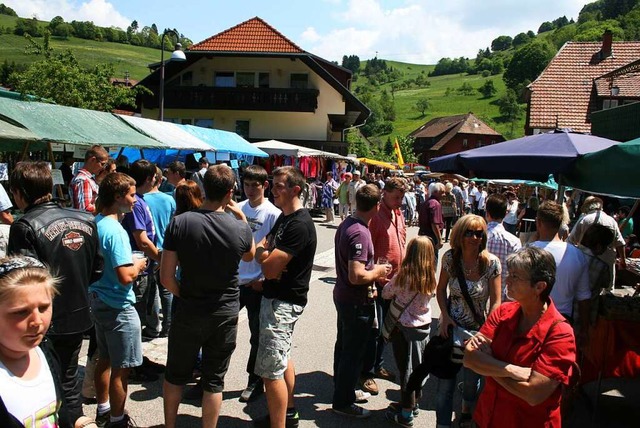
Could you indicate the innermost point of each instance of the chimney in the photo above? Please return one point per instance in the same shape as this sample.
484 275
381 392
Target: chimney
607 42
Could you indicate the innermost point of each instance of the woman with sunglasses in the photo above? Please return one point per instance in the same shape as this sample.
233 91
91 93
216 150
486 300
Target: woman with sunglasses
468 258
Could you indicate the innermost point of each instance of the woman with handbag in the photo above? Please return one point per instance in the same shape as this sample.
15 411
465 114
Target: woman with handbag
526 349
409 320
471 275
449 209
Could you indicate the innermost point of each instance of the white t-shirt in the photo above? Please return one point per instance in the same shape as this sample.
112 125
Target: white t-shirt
512 212
481 197
5 202
261 220
33 402
572 275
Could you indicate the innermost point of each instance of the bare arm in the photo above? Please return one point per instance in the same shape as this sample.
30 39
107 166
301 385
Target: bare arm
495 293
441 297
273 262
168 266
534 391
358 275
145 245
249 255
128 273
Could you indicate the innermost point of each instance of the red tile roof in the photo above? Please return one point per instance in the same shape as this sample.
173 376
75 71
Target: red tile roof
451 126
561 96
628 86
254 35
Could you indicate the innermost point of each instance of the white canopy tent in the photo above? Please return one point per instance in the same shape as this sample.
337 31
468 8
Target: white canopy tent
275 147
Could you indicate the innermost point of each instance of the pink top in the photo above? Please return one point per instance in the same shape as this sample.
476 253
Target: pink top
418 313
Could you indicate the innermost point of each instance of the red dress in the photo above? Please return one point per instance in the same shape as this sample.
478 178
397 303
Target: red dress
548 348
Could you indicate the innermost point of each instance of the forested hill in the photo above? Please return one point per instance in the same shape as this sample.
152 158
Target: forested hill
405 96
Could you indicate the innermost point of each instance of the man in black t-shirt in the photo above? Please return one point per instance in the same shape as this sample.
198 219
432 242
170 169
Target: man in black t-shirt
286 255
208 243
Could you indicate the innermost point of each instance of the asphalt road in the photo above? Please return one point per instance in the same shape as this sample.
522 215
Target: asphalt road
314 340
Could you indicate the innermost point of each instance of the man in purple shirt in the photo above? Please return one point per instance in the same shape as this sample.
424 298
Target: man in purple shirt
142 235
354 295
430 218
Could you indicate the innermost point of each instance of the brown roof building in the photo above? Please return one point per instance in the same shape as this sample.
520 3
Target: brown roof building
252 80
573 86
452 134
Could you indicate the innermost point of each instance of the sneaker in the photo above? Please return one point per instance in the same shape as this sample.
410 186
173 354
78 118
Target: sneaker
152 366
126 422
149 334
353 411
252 391
103 419
398 418
396 407
385 374
369 385
361 396
292 421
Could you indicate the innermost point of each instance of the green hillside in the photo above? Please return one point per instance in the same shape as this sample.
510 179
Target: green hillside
133 59
408 118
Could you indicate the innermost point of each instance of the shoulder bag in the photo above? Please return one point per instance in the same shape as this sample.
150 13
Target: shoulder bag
460 334
393 316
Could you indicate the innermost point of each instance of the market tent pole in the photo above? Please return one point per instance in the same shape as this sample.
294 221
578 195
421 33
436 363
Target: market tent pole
53 166
25 150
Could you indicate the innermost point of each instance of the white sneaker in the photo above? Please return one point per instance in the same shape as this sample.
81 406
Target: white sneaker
361 396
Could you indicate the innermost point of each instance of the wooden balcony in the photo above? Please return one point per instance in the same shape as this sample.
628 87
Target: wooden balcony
212 98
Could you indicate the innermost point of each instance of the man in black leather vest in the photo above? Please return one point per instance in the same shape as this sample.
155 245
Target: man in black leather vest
67 241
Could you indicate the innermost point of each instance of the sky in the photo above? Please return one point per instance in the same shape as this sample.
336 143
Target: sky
419 32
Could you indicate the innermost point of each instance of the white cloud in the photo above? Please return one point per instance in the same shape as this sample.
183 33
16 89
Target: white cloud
423 32
101 12
310 35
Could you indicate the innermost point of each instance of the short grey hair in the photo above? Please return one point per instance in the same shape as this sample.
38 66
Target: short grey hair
438 187
540 265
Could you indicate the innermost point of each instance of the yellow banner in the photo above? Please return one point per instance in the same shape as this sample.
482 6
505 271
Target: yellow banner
396 148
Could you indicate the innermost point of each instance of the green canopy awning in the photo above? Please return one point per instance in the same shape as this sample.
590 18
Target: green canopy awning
13 138
70 125
612 171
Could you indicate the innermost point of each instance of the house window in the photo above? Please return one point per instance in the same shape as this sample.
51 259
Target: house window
187 78
493 141
609 104
224 79
299 81
242 128
245 80
479 143
204 123
263 80
465 143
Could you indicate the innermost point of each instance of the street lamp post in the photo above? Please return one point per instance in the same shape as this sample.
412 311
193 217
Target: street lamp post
176 55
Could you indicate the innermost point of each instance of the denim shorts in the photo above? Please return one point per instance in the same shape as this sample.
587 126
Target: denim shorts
118 333
277 319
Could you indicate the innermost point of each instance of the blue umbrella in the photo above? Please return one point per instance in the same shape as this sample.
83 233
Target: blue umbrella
533 157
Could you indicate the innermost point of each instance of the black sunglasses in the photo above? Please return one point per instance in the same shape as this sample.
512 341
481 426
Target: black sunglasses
477 233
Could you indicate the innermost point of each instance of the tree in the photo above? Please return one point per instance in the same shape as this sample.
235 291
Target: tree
6 10
357 144
466 89
59 77
528 62
351 62
407 148
55 22
521 39
501 43
422 105
388 107
560 22
488 89
134 26
27 26
545 26
510 109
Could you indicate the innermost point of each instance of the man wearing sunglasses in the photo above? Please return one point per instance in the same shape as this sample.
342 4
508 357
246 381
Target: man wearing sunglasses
83 189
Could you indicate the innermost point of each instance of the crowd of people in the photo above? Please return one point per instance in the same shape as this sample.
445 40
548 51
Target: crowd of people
126 263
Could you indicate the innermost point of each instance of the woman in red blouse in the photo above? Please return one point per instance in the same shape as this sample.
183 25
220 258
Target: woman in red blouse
525 349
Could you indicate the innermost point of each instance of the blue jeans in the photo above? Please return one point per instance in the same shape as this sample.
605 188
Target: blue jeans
444 395
354 331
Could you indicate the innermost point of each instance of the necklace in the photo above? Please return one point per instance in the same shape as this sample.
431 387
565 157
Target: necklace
472 269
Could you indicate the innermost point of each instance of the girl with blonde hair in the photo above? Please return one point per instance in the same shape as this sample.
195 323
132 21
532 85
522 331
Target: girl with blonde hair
30 387
412 288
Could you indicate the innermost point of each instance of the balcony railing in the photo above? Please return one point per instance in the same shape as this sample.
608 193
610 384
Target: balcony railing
207 97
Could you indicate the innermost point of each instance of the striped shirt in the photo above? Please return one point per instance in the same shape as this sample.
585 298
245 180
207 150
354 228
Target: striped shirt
83 190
